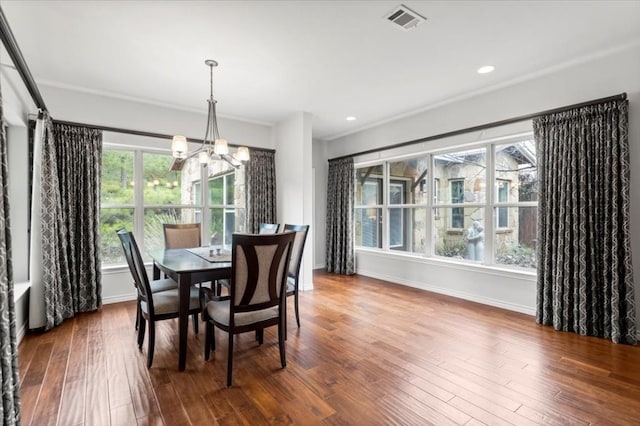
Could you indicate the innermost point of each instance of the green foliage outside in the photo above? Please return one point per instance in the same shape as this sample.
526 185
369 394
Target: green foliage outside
118 190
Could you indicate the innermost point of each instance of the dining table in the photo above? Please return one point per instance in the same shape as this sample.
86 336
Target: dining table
188 267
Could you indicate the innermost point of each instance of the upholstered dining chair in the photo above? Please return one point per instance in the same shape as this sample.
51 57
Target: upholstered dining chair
293 275
257 293
161 304
265 228
181 235
268 228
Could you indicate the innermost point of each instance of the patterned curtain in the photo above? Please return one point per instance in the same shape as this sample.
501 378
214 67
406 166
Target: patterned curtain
70 191
10 409
340 193
585 278
261 189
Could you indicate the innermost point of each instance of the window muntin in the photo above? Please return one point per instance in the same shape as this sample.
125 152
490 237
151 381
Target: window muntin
462 217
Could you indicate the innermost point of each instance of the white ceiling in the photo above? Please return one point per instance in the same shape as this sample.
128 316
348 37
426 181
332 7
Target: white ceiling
330 58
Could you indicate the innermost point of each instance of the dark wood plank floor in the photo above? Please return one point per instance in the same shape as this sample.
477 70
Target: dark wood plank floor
368 353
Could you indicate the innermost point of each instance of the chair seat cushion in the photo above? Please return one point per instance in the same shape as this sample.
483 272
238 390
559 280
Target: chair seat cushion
168 301
162 285
219 311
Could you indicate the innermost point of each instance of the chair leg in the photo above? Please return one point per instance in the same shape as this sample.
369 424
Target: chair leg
295 298
281 339
230 361
260 335
138 313
209 340
152 343
141 328
195 323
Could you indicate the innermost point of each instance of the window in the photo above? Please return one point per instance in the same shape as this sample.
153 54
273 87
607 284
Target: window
140 193
396 216
368 206
516 204
227 203
459 217
117 202
464 171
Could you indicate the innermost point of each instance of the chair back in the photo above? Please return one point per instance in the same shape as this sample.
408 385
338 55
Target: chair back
298 247
181 235
136 266
269 228
259 270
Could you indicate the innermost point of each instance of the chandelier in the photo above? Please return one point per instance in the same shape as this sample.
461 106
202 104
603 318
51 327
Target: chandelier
213 147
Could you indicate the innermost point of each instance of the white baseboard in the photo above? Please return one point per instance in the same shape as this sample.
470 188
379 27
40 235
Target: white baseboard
453 293
118 299
320 266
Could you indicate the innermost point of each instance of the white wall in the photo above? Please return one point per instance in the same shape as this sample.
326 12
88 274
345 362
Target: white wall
320 170
294 176
601 76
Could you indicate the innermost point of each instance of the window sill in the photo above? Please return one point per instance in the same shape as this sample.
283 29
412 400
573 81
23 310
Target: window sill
20 289
458 264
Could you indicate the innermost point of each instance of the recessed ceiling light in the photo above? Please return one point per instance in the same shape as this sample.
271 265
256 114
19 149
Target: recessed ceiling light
486 69
351 118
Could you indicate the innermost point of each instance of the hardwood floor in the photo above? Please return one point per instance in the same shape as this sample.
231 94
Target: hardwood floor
368 352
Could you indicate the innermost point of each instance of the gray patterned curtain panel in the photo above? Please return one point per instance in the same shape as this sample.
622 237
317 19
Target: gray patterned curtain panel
340 192
10 409
261 189
585 278
71 166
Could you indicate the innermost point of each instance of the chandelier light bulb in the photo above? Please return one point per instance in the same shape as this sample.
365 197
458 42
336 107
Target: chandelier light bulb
242 154
203 156
221 147
179 146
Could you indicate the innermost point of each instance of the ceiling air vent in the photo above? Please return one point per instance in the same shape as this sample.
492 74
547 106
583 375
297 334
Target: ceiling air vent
404 17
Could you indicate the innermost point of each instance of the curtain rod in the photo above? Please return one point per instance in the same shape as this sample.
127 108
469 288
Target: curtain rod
620 97
20 64
143 133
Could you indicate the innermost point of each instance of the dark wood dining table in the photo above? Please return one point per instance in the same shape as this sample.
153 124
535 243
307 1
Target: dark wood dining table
186 268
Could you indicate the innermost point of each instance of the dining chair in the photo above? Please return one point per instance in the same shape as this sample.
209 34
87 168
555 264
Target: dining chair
181 235
158 305
268 228
265 228
257 293
156 285
293 276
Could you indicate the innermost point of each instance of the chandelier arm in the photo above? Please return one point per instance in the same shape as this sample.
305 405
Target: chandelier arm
226 158
216 134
